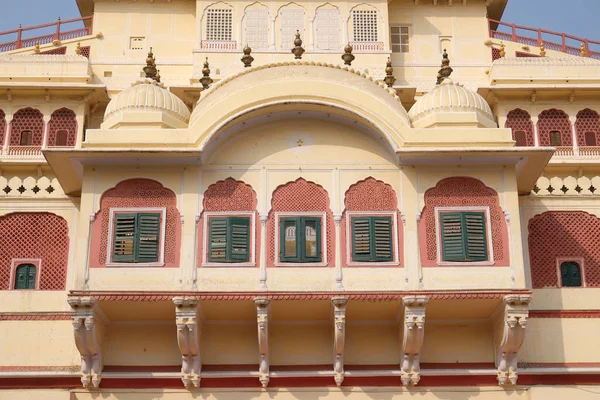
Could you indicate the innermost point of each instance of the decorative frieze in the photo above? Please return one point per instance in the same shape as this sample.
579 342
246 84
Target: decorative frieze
30 186
86 328
413 334
567 186
510 333
188 339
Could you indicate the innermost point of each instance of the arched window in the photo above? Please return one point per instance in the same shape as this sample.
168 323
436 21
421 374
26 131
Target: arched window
520 123
551 121
25 276
61 138
570 274
328 29
291 21
256 27
587 127
26 138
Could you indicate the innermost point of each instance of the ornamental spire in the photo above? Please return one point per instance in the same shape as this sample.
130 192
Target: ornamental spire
446 70
348 57
247 58
389 73
298 50
206 80
150 68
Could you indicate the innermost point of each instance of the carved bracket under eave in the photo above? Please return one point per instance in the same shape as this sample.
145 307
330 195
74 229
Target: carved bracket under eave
262 319
413 333
510 333
188 339
339 337
87 329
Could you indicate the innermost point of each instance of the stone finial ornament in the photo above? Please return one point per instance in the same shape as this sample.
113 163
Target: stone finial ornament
78 49
247 58
542 49
157 79
298 50
446 70
389 73
348 57
582 51
502 50
37 48
206 80
150 68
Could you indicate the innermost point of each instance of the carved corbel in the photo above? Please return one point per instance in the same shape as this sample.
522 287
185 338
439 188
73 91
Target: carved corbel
339 337
262 319
188 339
414 330
85 328
511 331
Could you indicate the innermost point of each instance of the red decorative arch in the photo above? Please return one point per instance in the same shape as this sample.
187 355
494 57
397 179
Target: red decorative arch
520 121
27 119
63 119
2 127
229 195
558 234
462 192
554 120
137 193
38 235
588 121
371 195
300 196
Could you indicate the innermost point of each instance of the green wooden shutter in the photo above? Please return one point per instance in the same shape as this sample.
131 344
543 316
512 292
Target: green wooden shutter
124 237
382 239
476 238
218 240
361 239
239 230
25 276
310 251
148 237
452 237
570 274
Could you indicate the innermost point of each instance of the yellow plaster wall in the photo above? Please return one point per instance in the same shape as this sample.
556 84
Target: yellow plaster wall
370 342
26 343
457 341
141 343
229 342
300 343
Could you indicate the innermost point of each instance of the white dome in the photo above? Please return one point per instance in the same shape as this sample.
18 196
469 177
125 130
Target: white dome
160 108
451 103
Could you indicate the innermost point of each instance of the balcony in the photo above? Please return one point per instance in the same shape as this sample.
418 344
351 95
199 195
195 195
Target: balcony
218 45
366 46
582 152
23 152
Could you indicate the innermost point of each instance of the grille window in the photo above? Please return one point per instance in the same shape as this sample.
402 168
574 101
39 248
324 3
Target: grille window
364 23
218 24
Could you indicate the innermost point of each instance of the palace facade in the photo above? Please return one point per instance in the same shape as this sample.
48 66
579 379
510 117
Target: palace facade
298 200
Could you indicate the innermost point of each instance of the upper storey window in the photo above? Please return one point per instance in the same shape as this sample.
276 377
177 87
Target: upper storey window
364 24
292 21
25 276
399 39
463 236
328 29
570 274
257 28
229 240
300 239
219 24
136 236
372 239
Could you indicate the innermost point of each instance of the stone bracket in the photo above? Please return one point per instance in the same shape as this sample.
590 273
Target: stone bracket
413 334
510 330
339 337
85 328
188 339
262 319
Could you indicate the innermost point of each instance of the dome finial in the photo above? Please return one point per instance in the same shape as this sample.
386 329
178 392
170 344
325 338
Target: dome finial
206 80
389 73
298 50
247 58
348 57
446 70
502 50
542 49
150 68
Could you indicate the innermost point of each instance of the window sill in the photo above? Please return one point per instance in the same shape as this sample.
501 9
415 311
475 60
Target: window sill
300 264
465 264
228 265
373 264
135 265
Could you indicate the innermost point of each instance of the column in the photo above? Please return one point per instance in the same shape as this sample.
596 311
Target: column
9 118
337 218
272 46
262 319
311 33
45 136
536 138
188 339
339 337
85 326
263 251
413 334
573 119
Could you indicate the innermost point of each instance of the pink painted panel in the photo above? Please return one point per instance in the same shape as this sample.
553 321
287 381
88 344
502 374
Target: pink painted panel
554 120
27 119
520 121
62 120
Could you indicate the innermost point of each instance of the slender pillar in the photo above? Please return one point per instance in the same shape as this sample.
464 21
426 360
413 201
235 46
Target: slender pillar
536 137
45 136
272 46
9 118
573 119
263 251
337 218
339 337
262 319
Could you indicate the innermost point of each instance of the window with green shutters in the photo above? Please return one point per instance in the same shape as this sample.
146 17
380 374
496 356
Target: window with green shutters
229 240
570 274
372 239
464 237
300 239
25 276
136 237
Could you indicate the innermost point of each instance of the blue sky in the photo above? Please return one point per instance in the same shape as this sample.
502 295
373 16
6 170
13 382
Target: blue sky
575 17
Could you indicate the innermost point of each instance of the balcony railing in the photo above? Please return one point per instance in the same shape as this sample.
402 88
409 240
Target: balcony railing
557 41
366 46
218 44
44 34
25 151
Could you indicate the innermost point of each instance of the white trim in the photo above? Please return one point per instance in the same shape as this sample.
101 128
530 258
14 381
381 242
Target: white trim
323 216
205 235
488 226
15 262
349 262
161 245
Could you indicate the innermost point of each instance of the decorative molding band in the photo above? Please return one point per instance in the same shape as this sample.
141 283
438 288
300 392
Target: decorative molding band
565 314
62 316
183 61
30 186
381 296
567 186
